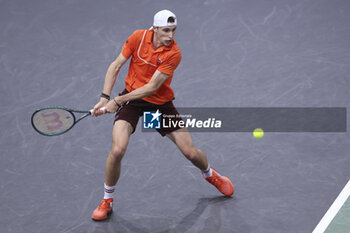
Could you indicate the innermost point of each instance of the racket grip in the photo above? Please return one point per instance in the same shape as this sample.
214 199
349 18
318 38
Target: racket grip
102 109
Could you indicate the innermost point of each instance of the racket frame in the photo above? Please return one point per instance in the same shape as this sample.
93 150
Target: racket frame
71 111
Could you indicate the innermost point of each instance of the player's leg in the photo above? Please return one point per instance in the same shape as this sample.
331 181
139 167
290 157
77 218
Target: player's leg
182 138
121 134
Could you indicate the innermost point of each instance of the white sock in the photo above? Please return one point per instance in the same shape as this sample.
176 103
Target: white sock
207 172
109 190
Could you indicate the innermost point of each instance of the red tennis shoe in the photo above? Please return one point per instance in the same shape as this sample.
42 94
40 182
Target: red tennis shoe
222 183
103 210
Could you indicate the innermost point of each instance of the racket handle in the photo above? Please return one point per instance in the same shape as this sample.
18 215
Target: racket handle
102 109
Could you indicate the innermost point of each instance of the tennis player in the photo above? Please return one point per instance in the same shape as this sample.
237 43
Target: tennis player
154 58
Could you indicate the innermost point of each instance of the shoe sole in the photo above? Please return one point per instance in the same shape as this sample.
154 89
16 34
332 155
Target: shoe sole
100 220
228 194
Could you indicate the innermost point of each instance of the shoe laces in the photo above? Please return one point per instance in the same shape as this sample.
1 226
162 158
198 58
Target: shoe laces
105 203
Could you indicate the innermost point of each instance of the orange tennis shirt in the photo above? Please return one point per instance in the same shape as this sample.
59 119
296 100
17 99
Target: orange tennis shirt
146 60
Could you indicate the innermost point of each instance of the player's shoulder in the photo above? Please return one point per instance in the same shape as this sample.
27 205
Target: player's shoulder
138 33
136 37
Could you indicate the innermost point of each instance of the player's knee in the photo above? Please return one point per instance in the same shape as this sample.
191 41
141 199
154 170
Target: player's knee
118 152
192 153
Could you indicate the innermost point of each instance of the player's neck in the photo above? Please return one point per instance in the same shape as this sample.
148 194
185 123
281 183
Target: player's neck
156 43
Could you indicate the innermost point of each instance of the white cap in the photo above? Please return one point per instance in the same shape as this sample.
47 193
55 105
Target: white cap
161 19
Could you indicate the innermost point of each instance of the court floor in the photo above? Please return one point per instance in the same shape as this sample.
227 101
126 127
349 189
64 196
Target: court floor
235 53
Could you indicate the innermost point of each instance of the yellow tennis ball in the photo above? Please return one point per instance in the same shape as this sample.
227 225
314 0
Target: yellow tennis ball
258 133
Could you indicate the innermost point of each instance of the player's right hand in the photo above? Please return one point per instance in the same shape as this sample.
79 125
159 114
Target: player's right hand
97 108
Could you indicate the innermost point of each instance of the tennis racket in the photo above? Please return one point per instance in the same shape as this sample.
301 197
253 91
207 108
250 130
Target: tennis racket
53 121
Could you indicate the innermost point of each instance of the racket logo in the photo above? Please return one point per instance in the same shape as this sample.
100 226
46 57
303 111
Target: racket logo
151 120
52 121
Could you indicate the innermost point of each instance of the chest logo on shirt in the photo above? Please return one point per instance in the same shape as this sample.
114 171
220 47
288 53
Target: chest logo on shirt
159 61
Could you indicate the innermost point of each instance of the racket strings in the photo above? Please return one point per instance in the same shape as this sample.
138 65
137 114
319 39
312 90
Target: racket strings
53 121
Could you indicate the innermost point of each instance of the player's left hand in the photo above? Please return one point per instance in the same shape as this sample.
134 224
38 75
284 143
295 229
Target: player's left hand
97 108
111 107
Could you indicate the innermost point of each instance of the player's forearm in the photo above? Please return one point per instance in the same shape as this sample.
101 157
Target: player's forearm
112 73
111 77
153 85
139 93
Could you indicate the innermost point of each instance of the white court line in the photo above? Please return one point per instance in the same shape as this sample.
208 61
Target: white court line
333 210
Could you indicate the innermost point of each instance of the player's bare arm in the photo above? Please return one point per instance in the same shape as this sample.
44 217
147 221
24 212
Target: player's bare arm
111 77
154 84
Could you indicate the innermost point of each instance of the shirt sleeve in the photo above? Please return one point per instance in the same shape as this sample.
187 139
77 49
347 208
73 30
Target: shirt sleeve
130 45
169 65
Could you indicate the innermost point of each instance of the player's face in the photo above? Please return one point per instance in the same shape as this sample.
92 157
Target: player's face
165 34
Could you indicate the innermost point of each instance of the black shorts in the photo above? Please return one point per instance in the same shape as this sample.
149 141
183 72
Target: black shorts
133 110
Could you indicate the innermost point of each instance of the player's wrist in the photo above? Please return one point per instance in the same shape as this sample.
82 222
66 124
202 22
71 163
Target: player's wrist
105 96
103 100
117 103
